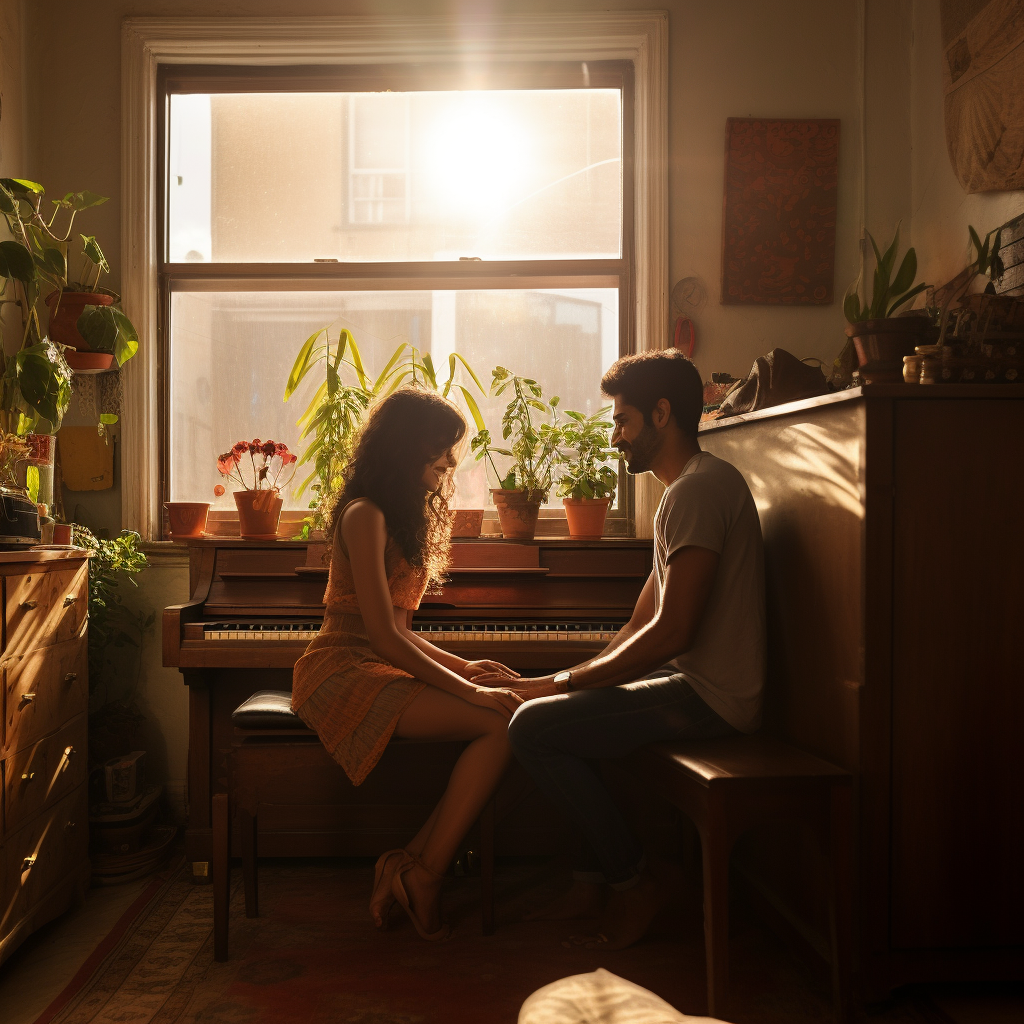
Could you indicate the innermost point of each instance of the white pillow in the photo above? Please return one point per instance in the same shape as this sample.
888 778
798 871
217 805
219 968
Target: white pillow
600 998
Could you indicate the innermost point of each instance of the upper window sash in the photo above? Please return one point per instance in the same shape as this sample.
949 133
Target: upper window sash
265 188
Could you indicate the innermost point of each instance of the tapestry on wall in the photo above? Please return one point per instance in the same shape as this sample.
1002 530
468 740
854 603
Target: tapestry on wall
983 72
779 224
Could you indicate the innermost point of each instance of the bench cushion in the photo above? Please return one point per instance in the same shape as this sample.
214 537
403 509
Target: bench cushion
267 709
734 758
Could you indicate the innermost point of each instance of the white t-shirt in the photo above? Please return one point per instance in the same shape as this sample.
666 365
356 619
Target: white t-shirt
710 506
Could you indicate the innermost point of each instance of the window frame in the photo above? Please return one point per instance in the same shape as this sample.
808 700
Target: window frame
147 43
465 273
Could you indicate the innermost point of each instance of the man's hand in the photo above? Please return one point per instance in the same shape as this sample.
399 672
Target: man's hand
537 686
488 673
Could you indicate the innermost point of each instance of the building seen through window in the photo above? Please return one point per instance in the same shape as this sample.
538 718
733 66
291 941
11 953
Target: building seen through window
285 178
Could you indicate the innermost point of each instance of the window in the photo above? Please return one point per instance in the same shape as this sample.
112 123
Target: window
493 221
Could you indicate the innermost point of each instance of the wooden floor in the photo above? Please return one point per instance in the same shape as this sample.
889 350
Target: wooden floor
49 959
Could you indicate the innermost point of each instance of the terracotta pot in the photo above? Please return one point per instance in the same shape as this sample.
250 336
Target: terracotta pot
64 324
586 517
468 522
187 518
517 512
882 344
259 513
89 362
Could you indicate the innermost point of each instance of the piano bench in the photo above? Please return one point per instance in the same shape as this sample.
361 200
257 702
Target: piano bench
728 785
271 741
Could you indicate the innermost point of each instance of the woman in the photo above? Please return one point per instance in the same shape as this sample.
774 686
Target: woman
368 676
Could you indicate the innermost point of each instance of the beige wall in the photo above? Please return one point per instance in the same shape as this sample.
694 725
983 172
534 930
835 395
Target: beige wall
941 208
12 122
802 58
12 91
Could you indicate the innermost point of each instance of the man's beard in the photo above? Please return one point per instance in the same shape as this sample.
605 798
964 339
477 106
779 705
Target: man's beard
642 450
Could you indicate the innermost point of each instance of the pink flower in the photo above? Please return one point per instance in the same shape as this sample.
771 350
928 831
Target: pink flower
218 490
227 462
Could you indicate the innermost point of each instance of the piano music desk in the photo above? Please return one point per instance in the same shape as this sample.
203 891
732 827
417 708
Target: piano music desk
536 605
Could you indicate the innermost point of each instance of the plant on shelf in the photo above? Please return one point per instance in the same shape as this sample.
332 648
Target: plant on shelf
331 419
13 449
533 450
881 338
588 483
84 317
259 503
335 413
116 633
982 334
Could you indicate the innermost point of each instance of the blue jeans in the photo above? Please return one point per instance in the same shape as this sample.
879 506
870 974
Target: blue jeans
555 737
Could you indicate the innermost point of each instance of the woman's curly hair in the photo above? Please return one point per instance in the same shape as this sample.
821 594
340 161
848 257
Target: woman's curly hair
403 433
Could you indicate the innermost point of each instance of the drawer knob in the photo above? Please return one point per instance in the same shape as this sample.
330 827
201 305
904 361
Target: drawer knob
28 862
70 677
27 776
27 698
71 826
70 600
27 606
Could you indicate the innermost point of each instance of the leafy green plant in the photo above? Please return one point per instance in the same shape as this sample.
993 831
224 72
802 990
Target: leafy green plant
888 293
36 380
987 260
331 418
336 411
112 624
533 449
586 453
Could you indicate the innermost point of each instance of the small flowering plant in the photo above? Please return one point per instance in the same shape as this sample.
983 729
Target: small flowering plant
267 459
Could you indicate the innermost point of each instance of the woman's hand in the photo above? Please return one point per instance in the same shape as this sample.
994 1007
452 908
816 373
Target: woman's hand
487 673
503 701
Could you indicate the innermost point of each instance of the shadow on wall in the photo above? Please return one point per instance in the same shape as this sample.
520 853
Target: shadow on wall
162 696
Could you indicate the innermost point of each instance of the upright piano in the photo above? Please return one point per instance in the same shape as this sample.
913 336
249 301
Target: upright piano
538 606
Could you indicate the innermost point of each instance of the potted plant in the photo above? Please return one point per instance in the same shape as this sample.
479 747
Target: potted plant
533 450
588 482
984 312
259 505
418 369
84 317
882 339
336 410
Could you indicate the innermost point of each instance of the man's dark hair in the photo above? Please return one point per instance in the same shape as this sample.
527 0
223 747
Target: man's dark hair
641 380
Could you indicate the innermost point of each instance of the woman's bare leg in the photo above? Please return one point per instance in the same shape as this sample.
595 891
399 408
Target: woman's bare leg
439 716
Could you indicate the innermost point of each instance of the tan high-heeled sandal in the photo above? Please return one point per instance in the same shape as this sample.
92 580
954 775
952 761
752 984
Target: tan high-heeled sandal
398 891
381 897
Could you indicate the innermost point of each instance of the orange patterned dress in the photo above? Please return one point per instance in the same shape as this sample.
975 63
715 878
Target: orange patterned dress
352 698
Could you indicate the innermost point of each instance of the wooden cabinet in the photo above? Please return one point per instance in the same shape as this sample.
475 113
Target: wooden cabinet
44 695
892 519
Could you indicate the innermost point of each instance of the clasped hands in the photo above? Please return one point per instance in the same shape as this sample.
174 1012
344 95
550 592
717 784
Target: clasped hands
494 674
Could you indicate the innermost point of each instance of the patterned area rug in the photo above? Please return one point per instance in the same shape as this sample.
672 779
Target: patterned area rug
313 957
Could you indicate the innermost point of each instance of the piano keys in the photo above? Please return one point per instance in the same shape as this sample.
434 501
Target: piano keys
537 606
444 634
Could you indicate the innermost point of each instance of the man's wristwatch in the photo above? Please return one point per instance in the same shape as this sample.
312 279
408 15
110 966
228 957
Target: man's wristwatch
564 679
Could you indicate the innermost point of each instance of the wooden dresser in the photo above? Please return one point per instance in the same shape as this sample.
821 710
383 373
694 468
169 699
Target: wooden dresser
892 520
44 812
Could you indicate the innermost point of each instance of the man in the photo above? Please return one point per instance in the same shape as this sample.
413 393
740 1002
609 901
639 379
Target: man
690 662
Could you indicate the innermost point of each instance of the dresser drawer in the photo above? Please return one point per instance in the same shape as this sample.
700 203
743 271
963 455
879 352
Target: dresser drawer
43 852
44 690
44 608
37 777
